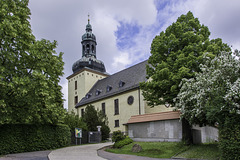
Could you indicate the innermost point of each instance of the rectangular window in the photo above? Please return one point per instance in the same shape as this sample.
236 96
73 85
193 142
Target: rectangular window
116 123
103 109
82 112
75 85
76 100
116 107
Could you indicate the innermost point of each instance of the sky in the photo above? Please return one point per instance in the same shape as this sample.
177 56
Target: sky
125 29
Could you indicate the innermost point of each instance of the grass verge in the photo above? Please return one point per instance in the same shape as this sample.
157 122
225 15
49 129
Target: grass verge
208 151
153 149
170 149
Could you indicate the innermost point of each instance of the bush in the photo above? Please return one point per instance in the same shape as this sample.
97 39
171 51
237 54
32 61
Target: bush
229 141
117 136
121 143
16 138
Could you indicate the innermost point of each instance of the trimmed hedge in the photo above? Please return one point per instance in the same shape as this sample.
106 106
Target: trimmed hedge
229 138
16 138
121 143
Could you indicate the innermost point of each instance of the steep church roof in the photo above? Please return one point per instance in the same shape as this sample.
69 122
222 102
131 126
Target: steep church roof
119 82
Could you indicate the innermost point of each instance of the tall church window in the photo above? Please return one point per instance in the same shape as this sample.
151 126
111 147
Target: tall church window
75 85
116 123
116 107
76 100
82 112
103 109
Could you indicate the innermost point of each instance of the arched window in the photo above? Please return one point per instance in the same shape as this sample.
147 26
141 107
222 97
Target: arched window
88 48
83 48
93 49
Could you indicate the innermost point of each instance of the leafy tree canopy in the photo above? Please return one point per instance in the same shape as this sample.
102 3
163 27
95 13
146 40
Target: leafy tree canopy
214 94
74 121
94 118
30 70
177 54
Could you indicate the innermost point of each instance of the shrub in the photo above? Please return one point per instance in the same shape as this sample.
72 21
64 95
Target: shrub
117 136
229 142
16 138
121 143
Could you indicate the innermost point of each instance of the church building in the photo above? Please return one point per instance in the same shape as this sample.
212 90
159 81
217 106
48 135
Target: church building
117 95
120 98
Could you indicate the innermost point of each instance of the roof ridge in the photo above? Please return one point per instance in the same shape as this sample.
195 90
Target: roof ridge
150 114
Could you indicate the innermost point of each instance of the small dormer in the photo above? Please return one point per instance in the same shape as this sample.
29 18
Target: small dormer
121 84
98 91
109 88
88 95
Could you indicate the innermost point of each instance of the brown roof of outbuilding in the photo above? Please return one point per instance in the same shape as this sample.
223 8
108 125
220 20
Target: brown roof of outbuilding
154 117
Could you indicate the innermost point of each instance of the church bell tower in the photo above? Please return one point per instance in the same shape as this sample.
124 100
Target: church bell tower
86 71
89 42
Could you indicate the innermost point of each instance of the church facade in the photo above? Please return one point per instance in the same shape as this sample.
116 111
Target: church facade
118 96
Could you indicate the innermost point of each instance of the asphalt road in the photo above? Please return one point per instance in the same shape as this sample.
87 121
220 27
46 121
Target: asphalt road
39 155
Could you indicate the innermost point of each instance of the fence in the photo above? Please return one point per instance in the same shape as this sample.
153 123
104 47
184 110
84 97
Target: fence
94 137
87 137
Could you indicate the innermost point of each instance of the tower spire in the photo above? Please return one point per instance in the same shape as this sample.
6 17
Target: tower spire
88 19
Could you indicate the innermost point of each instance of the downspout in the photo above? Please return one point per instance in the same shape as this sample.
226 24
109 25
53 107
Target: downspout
139 100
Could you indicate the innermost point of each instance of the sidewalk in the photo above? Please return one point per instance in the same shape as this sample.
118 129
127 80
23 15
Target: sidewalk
82 152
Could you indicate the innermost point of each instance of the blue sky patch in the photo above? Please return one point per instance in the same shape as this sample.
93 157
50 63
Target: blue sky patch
125 34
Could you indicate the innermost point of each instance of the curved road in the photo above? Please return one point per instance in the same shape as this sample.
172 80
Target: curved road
82 152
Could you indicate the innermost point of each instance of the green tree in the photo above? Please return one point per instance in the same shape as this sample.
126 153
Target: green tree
213 98
74 121
213 94
94 118
30 70
176 54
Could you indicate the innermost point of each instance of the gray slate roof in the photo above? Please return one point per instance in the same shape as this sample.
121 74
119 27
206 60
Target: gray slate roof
131 77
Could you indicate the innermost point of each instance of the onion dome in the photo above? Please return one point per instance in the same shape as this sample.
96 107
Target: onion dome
89 62
89 59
